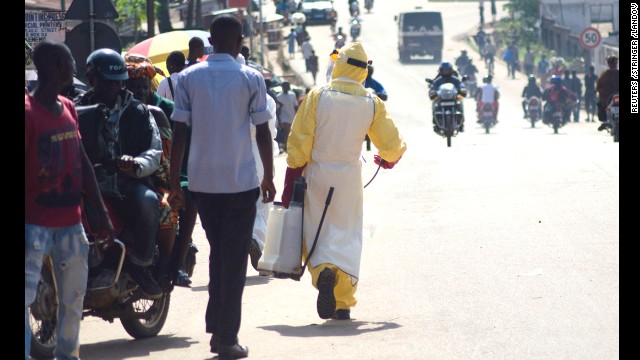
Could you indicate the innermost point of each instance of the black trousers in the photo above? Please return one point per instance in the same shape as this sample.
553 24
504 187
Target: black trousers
227 220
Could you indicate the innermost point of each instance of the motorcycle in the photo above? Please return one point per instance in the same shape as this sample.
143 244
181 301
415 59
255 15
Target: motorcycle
354 8
533 110
447 119
111 292
368 4
355 28
487 118
471 84
613 117
554 112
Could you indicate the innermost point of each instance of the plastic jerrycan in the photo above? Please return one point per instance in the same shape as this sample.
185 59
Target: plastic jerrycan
282 255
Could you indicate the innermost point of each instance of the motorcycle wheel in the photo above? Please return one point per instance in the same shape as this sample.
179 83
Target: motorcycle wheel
43 316
487 126
141 328
533 121
555 126
616 131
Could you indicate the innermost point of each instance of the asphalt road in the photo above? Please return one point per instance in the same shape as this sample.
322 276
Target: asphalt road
503 246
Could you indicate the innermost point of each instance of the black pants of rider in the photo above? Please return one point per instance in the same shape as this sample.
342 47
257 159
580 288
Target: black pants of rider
227 220
602 112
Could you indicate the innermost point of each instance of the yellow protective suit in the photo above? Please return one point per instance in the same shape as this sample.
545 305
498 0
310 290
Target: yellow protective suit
326 136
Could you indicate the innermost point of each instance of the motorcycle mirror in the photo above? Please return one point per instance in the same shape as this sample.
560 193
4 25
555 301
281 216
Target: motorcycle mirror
465 78
428 80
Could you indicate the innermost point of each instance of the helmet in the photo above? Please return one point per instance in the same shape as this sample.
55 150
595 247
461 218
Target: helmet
445 68
532 79
556 80
463 51
107 63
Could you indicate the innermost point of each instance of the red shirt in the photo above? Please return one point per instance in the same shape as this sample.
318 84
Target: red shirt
53 166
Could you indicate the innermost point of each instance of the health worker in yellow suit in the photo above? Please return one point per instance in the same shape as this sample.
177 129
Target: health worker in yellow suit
325 145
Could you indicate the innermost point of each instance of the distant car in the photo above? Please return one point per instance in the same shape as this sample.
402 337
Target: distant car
317 11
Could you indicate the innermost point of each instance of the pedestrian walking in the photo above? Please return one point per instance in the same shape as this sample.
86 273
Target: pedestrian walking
58 175
291 43
307 50
576 87
590 97
543 70
225 188
608 83
196 50
175 64
529 58
327 151
313 65
289 102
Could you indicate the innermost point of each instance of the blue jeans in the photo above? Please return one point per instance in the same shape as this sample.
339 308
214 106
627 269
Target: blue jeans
140 213
69 248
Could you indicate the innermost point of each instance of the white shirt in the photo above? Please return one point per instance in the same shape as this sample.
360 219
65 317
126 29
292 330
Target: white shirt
306 49
289 103
163 88
488 93
220 99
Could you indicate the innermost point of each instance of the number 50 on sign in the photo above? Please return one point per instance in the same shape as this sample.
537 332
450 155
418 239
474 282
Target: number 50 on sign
590 38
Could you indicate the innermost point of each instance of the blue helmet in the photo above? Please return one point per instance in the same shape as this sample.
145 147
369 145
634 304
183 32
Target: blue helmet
445 68
556 80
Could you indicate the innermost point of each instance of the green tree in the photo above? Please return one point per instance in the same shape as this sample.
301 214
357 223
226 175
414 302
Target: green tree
524 15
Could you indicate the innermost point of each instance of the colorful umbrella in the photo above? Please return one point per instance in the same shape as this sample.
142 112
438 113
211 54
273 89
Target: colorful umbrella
160 46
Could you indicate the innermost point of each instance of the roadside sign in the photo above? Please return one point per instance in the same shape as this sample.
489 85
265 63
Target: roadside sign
590 38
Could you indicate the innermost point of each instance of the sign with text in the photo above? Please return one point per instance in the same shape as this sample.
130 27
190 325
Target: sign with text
590 38
40 25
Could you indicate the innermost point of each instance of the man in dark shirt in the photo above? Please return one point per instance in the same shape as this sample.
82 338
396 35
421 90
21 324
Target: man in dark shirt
608 84
590 99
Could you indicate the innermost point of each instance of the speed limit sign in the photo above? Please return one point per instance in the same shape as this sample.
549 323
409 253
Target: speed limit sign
590 38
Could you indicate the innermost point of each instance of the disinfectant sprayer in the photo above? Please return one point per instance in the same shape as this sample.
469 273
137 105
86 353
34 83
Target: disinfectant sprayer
282 255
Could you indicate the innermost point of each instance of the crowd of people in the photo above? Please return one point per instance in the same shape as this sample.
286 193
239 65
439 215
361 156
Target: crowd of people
148 129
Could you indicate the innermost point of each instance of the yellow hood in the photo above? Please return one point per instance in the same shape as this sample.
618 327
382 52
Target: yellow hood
351 63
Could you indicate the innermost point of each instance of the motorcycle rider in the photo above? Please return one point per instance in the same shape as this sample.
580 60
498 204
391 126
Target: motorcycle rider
462 61
532 89
131 138
558 96
488 93
372 83
608 84
355 28
446 74
470 71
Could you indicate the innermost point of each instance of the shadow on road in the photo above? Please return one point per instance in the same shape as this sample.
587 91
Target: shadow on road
125 349
332 328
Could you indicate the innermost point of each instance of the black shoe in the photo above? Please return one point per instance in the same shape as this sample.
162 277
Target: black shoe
235 351
326 303
146 282
461 128
342 314
603 126
255 253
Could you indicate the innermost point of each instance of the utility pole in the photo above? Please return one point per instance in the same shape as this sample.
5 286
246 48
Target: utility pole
260 27
151 19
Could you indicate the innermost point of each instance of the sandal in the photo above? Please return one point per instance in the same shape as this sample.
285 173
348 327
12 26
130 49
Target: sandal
182 279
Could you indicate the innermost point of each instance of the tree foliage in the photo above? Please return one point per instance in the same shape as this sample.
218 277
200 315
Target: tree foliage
524 15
